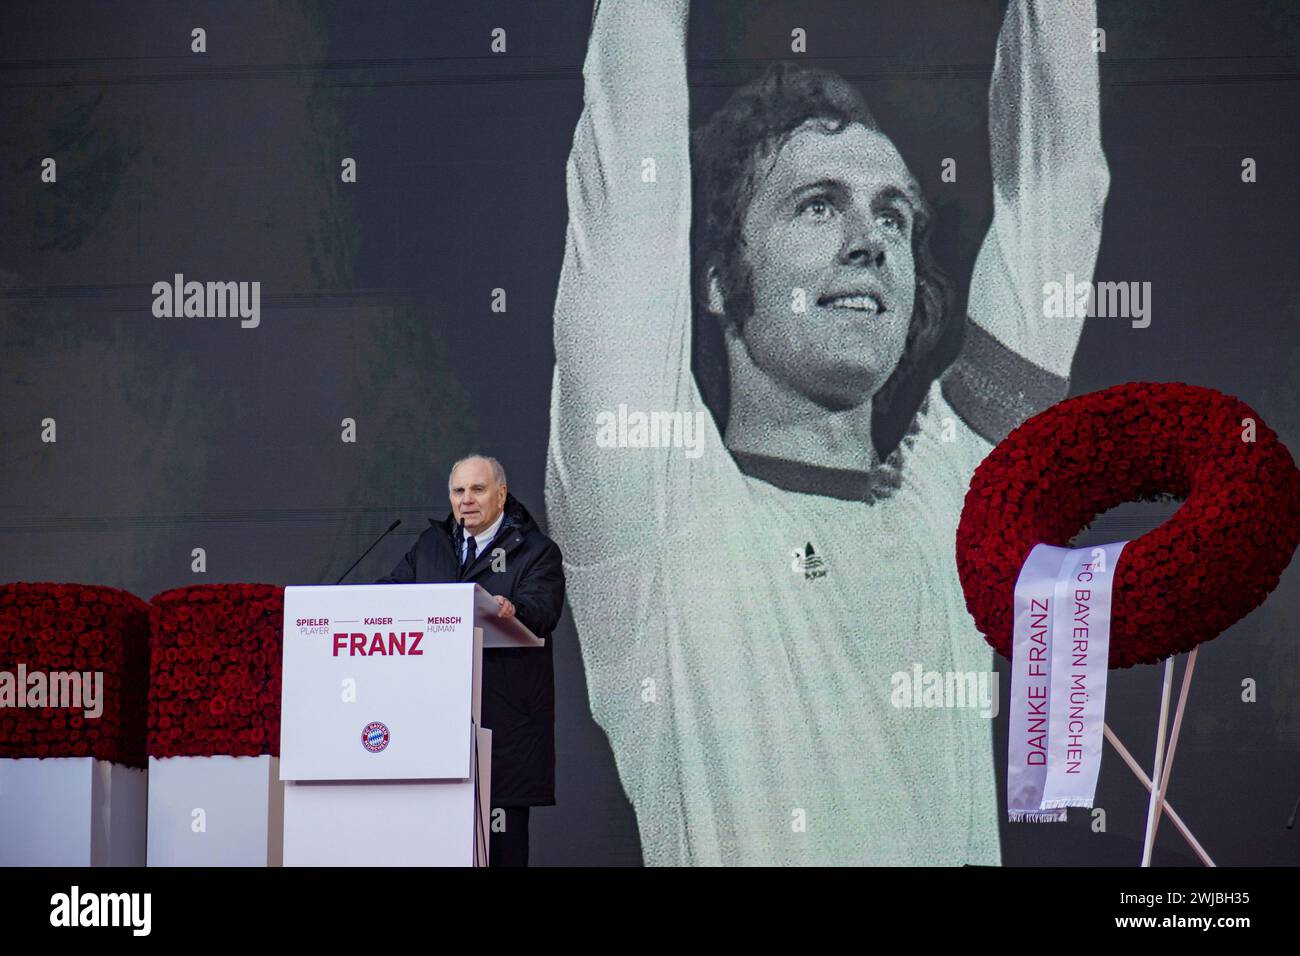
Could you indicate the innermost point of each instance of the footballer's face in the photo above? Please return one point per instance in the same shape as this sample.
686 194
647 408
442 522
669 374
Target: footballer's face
829 229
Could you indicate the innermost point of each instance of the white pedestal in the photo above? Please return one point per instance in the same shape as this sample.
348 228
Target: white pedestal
215 811
389 822
71 811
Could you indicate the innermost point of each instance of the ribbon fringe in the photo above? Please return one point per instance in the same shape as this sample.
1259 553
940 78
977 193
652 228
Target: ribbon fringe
1066 802
1034 816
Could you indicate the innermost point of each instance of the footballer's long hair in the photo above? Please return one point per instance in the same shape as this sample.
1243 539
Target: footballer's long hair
725 153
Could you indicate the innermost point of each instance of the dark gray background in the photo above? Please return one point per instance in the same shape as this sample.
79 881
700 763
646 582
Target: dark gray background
183 433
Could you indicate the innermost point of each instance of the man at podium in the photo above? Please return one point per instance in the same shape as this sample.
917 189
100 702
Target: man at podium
490 539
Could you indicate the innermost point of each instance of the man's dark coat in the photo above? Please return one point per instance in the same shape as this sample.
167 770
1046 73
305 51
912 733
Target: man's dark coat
518 682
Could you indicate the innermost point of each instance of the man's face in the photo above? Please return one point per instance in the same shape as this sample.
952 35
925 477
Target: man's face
475 495
833 217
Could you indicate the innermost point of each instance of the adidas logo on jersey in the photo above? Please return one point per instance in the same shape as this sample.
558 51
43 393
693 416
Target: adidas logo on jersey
808 563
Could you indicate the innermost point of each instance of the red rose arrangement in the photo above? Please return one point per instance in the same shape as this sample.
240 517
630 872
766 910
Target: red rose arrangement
56 630
216 663
1185 582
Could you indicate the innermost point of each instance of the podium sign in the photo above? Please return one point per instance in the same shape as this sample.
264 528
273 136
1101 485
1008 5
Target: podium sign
377 682
381 751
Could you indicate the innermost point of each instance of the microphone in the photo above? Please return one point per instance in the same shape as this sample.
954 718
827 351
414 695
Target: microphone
368 550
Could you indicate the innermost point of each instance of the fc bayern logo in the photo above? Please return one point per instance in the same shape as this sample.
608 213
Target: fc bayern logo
374 736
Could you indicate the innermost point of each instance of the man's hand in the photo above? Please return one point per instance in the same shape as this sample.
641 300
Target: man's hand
507 610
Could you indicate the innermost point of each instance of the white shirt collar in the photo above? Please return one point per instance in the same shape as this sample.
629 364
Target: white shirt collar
487 534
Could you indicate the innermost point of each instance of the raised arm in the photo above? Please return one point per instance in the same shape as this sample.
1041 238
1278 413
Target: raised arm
628 179
623 308
1049 186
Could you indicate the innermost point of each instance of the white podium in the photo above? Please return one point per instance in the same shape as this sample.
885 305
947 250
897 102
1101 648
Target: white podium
381 753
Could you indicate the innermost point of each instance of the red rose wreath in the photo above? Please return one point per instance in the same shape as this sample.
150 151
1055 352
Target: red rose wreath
215 687
1185 582
76 628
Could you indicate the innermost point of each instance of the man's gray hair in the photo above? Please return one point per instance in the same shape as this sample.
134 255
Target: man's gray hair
498 472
